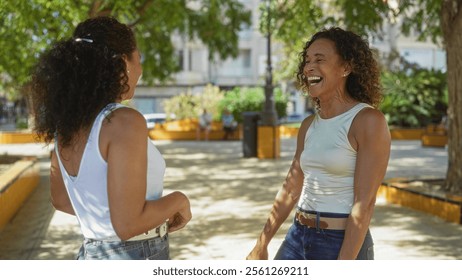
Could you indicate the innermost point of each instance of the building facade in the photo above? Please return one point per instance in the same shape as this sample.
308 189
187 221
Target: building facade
249 67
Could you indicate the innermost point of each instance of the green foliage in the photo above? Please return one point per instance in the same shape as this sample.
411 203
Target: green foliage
364 17
421 17
29 27
291 23
294 22
239 100
210 100
183 106
414 98
291 20
187 105
22 123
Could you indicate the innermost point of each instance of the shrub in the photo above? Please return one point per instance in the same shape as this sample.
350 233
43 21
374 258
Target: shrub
414 98
187 105
22 123
239 100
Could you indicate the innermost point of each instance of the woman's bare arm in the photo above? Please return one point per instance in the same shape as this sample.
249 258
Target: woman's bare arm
285 199
126 135
372 140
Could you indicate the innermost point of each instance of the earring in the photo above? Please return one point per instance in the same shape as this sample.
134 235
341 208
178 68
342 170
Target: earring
345 74
128 71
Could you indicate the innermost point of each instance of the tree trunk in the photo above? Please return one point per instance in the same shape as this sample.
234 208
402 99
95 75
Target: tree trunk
451 24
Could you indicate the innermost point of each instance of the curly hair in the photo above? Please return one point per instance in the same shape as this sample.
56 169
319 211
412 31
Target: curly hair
363 83
79 76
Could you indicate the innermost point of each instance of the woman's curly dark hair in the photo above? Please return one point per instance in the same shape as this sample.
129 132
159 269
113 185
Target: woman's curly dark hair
78 77
363 83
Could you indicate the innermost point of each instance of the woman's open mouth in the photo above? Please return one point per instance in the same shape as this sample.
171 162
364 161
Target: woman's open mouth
314 80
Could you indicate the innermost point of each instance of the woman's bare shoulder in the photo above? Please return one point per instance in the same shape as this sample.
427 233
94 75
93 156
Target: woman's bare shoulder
302 133
370 122
124 125
306 124
125 118
370 117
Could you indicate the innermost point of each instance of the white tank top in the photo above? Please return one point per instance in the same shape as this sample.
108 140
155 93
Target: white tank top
328 164
88 190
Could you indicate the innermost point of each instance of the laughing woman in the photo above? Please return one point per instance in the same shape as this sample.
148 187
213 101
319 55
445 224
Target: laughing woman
341 157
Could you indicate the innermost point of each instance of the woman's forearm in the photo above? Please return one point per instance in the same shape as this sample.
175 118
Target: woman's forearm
282 207
153 214
356 230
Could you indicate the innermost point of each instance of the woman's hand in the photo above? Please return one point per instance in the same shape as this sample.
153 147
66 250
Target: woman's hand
258 253
179 220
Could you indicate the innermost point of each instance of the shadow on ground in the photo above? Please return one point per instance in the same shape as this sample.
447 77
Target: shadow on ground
231 197
414 235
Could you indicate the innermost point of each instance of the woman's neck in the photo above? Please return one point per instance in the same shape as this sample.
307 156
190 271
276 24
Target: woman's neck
335 106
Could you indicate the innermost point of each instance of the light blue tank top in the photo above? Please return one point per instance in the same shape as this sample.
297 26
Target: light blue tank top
328 164
88 190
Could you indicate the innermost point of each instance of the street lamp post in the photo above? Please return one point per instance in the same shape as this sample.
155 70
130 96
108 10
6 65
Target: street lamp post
269 115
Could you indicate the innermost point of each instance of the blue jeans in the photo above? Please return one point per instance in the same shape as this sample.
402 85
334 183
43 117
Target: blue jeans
304 243
149 249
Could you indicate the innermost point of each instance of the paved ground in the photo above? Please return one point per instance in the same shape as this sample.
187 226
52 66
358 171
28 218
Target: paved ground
231 197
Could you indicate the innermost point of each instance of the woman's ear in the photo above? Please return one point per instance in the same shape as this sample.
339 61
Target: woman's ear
125 58
347 70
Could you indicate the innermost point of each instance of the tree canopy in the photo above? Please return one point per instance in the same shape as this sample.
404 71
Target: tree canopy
294 21
29 27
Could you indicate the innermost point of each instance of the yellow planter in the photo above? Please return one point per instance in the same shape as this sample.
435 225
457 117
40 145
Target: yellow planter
406 133
187 129
16 184
18 137
434 140
268 142
445 208
288 132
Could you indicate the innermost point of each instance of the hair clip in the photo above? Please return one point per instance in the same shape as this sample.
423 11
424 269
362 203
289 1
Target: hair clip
83 39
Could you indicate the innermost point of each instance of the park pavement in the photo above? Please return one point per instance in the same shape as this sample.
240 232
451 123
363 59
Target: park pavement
231 197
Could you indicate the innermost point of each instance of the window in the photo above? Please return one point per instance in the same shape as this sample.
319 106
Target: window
246 58
180 59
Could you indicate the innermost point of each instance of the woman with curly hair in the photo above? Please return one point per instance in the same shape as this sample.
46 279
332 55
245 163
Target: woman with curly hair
341 157
104 169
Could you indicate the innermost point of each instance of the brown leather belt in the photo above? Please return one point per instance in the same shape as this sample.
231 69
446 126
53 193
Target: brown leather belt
309 220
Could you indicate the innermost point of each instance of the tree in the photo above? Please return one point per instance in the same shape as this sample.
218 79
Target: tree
439 20
451 26
28 27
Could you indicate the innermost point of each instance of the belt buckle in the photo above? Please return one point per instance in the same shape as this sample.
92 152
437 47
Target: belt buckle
162 230
306 215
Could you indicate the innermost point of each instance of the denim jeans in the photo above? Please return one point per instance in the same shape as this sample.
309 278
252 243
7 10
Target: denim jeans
304 243
149 249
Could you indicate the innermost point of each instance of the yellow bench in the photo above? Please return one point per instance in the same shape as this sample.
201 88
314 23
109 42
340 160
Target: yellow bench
435 135
187 130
